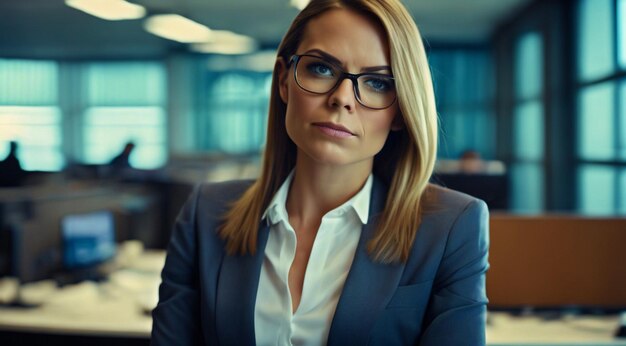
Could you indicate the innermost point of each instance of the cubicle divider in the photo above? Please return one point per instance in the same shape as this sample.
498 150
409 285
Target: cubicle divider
556 261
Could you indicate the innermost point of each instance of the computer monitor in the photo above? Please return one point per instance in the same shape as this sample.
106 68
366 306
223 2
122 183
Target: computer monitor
491 188
88 239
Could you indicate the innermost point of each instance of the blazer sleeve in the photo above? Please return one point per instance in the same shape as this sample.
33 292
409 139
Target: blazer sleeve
177 316
456 313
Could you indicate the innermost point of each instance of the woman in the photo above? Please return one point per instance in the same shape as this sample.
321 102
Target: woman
341 240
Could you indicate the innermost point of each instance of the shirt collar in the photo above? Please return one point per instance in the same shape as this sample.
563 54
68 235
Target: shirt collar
276 211
360 203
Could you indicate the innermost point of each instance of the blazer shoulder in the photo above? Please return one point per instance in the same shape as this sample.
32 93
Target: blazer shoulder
443 207
442 199
214 198
229 188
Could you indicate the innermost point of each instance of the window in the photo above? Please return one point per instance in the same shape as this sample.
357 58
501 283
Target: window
622 121
463 87
107 129
595 123
601 119
597 189
529 66
527 176
234 117
527 187
29 113
596 39
528 131
125 102
622 32
622 193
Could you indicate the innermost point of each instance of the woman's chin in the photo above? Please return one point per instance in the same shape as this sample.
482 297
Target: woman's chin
332 157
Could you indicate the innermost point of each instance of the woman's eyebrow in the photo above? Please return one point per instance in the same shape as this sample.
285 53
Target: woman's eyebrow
338 62
325 56
376 68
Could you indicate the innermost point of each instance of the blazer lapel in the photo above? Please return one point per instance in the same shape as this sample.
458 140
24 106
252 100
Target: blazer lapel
236 294
368 287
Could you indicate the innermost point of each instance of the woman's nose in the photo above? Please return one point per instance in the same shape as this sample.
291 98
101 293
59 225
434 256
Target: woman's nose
343 95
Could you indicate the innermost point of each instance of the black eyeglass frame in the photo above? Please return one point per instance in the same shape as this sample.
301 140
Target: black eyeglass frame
351 76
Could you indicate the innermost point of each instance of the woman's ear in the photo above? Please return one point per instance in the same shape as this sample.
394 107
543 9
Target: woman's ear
282 71
398 122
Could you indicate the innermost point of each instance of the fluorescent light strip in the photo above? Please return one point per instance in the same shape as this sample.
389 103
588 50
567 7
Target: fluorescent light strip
226 42
177 28
108 9
224 48
299 4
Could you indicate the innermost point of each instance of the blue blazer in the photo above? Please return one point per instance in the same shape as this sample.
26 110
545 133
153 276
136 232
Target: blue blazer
436 298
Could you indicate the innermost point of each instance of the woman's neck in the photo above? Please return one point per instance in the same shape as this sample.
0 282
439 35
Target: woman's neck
316 189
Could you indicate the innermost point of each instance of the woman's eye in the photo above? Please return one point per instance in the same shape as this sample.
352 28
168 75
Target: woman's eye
379 84
321 69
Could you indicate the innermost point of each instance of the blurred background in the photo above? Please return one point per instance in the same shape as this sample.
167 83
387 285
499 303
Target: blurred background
111 111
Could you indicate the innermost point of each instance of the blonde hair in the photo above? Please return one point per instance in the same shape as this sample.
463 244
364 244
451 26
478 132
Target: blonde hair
405 163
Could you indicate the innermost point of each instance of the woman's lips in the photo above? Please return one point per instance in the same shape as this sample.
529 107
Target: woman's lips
334 130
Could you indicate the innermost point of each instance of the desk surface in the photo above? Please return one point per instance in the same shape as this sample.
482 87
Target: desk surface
111 322
117 308
505 329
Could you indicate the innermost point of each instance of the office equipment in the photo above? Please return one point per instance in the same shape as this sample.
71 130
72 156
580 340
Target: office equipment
491 188
88 239
31 240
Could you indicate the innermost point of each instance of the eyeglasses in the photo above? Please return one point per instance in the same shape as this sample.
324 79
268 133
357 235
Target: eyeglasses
318 76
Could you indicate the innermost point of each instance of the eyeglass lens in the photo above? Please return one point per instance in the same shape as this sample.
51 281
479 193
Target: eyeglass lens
316 75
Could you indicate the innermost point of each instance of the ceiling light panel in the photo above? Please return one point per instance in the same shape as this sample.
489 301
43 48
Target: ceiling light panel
108 9
177 28
226 42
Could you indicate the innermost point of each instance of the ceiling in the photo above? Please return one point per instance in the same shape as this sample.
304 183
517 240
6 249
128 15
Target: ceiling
50 29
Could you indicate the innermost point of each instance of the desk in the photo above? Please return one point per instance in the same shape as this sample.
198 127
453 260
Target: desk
116 309
503 329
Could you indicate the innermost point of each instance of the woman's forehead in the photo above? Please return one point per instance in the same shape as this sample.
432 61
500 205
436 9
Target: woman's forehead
355 39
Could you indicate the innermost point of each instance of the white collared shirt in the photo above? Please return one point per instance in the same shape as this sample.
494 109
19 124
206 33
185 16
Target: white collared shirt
330 260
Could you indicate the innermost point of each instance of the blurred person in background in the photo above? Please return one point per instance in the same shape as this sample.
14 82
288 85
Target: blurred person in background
122 160
119 167
341 240
11 172
471 162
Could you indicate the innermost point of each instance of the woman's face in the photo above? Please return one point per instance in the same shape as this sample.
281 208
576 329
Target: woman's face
334 128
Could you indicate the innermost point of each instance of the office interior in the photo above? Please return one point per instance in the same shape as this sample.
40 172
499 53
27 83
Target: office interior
531 96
